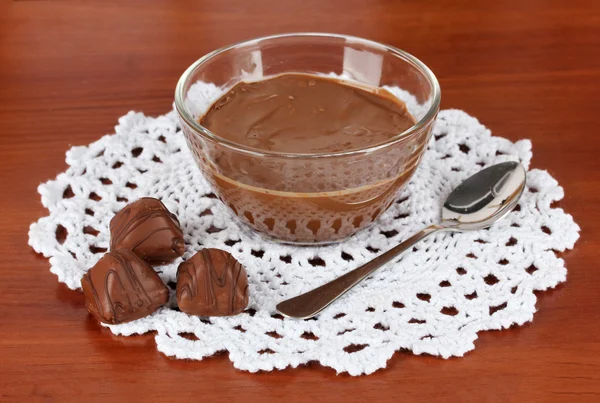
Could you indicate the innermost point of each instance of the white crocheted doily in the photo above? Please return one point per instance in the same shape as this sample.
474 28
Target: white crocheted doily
434 299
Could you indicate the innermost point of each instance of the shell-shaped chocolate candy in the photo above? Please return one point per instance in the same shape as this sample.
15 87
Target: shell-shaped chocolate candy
148 229
121 287
212 283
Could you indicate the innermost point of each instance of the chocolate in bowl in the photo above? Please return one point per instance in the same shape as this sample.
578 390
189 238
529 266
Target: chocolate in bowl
285 191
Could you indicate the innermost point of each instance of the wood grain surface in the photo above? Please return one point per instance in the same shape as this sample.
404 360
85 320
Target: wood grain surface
69 69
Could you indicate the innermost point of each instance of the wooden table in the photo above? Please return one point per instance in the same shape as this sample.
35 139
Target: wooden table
69 69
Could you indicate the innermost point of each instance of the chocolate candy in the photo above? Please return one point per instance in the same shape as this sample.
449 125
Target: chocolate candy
212 283
148 229
121 287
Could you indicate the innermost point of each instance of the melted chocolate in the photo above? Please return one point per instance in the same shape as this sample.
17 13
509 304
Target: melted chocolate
148 229
301 113
212 283
308 200
121 287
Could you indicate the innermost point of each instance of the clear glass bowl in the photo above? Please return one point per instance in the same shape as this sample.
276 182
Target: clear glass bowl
309 198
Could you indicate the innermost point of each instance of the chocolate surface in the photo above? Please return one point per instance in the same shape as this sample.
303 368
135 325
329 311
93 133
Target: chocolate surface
121 287
148 229
212 283
301 113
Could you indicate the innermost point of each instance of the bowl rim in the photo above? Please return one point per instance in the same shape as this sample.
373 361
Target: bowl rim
187 117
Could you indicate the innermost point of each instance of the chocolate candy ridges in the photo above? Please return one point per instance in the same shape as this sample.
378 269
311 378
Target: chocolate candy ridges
212 283
148 229
121 287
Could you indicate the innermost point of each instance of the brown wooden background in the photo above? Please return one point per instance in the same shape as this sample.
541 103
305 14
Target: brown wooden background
69 69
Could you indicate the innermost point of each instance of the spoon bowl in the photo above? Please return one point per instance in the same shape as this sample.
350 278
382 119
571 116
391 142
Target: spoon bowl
484 198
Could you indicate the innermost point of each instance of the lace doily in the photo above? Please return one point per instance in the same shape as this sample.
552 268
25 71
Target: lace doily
434 299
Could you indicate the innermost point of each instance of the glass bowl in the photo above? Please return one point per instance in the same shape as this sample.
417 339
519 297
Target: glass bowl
314 198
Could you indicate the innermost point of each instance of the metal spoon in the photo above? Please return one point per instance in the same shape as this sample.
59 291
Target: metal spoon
475 204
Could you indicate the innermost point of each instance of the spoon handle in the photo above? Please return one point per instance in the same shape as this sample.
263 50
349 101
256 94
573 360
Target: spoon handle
309 304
